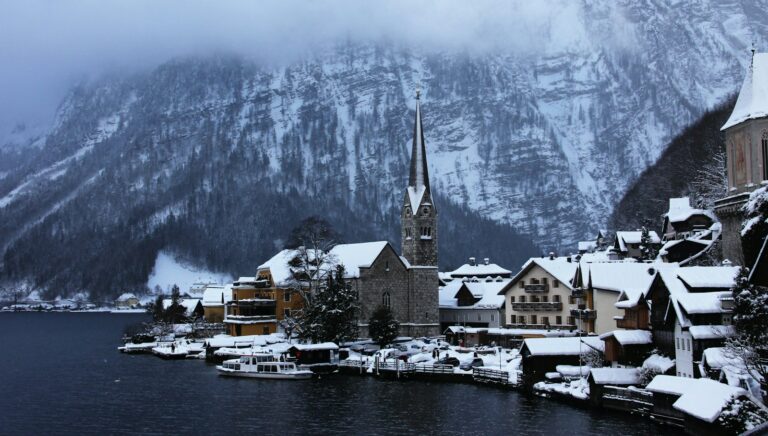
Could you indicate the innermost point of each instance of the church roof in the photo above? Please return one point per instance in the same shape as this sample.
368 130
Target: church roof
418 181
753 97
356 256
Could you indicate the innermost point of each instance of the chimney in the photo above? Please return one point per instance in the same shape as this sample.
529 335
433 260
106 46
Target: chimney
486 261
471 261
569 259
551 255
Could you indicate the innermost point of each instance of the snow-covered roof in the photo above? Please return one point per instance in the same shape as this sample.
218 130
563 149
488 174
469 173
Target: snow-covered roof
633 279
753 98
279 268
246 279
680 210
559 267
706 398
624 238
321 346
562 346
669 384
703 302
711 331
717 358
356 256
658 363
587 245
616 376
480 270
126 296
709 276
630 337
487 292
213 294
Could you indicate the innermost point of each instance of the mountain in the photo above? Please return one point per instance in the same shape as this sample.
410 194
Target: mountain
677 173
217 157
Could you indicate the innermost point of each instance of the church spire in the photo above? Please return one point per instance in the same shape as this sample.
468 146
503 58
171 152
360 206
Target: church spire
419 177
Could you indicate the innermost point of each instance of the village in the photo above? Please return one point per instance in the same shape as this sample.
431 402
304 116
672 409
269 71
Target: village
653 321
638 320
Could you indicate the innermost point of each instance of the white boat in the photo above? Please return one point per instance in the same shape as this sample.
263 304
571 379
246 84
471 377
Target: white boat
262 366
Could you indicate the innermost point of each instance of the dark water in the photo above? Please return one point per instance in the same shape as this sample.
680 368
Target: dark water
61 373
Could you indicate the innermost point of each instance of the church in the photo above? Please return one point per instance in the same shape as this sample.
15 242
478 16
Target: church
407 283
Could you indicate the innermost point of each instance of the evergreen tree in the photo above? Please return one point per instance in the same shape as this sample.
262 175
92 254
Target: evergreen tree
156 309
755 226
331 314
383 327
647 250
750 318
175 313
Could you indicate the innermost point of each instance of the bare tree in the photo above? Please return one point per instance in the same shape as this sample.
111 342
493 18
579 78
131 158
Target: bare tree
311 262
710 181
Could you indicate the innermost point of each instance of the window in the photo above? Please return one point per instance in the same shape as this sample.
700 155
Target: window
556 298
478 317
544 298
385 300
522 298
512 299
286 313
571 320
559 320
521 283
425 211
544 281
408 233
556 283
407 211
287 296
572 299
533 319
764 143
426 232
492 318
521 319
265 330
545 320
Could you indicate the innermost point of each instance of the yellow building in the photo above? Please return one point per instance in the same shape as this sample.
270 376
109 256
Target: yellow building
260 304
214 299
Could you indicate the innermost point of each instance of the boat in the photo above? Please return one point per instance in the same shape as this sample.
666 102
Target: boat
262 366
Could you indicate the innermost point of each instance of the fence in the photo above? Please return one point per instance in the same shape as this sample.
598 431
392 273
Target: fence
494 376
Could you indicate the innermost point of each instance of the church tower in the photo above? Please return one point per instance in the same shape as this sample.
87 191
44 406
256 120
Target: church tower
419 215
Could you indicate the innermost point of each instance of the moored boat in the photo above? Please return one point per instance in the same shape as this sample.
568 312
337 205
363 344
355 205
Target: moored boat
262 366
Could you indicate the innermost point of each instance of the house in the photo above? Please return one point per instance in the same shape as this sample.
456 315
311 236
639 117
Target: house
600 378
215 297
323 357
628 244
627 347
473 269
507 338
691 311
252 309
126 300
693 403
542 355
683 221
596 244
718 364
746 149
473 303
539 296
598 287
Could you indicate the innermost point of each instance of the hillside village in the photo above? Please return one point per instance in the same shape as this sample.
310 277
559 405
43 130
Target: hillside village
642 320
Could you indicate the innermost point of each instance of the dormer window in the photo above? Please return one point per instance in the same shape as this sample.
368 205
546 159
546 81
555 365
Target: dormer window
425 211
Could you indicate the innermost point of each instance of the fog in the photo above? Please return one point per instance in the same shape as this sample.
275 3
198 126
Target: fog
47 46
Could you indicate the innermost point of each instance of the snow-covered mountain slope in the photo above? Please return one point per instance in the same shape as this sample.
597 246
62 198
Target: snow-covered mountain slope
545 139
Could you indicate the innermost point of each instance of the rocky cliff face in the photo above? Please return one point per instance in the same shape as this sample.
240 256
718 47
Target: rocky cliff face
227 149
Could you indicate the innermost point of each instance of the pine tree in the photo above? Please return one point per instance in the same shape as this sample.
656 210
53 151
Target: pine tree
331 315
382 327
750 318
647 251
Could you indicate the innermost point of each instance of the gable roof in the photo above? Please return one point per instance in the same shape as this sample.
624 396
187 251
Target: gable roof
629 337
709 276
559 268
615 376
213 295
480 270
279 268
486 291
562 346
623 238
356 256
753 98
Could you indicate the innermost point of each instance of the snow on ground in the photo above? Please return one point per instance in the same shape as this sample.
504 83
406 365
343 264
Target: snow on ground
169 271
577 388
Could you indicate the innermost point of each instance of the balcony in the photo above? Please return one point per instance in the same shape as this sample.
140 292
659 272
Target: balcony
538 287
538 307
249 319
584 314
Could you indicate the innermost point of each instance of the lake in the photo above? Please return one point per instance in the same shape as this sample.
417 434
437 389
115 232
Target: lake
62 373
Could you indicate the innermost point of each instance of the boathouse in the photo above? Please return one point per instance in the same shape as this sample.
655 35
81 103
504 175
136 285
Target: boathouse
542 355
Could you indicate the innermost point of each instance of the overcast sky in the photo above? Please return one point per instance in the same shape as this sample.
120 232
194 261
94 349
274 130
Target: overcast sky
46 46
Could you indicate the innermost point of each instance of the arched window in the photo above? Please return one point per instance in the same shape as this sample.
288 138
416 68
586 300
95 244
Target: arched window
385 300
764 144
425 211
407 211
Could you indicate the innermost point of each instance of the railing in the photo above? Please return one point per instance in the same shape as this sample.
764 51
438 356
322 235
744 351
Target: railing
250 318
582 314
539 287
434 369
496 376
540 326
538 306
627 394
397 365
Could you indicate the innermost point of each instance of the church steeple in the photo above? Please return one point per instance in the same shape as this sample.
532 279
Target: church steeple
419 216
